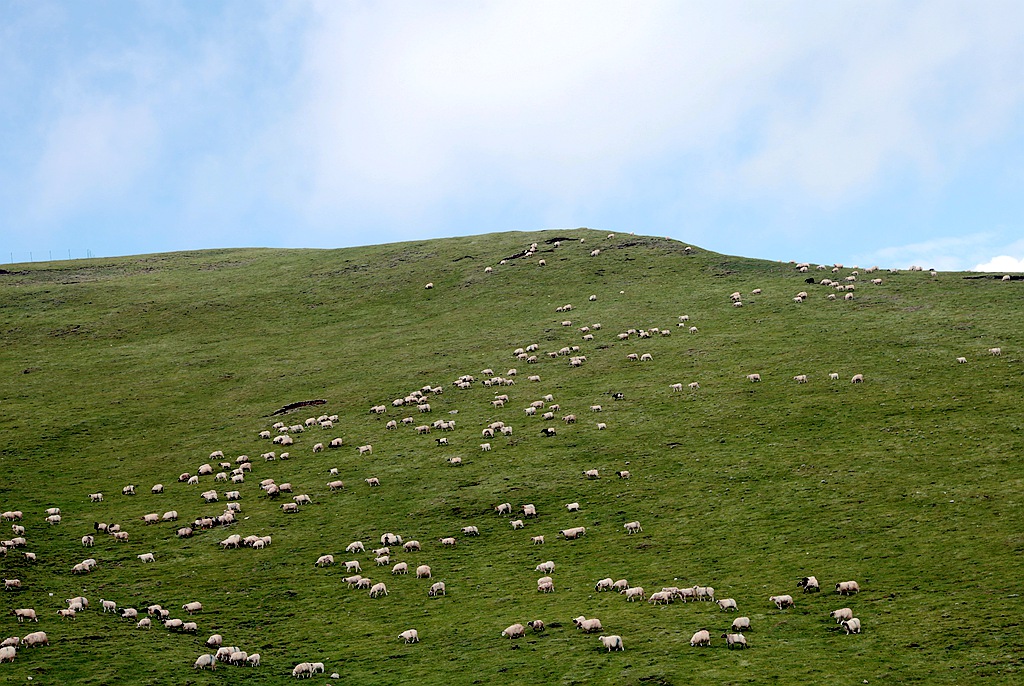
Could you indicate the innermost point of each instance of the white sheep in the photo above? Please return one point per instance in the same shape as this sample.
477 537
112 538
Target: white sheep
573 507
378 590
632 527
611 643
841 614
781 601
537 540
410 636
515 631
740 624
423 572
146 557
727 604
809 584
851 626
734 640
847 587
436 589
700 638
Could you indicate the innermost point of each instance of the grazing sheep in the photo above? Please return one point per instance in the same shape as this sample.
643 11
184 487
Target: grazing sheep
143 623
537 540
96 497
611 643
633 593
604 585
503 509
129 613
25 613
733 640
623 474
378 590
857 378
727 604
423 572
108 605
841 614
741 624
591 474
449 541
366 450
588 626
800 378
383 560
809 584
7 654
573 533
545 567
410 636
782 601
573 507
847 587
632 527
701 638
305 669
833 376
515 631
146 557
253 660
87 541
372 481
324 561
961 360
517 524
995 351
436 589
64 614
851 626
34 639
754 378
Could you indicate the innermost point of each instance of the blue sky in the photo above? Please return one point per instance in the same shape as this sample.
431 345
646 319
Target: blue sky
887 133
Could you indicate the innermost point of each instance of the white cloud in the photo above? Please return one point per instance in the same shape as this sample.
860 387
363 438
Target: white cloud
407 108
92 155
1002 263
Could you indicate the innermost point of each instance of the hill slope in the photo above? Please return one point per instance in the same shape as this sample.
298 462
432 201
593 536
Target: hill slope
134 370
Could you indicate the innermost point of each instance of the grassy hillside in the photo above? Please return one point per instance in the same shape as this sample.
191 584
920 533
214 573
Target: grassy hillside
133 370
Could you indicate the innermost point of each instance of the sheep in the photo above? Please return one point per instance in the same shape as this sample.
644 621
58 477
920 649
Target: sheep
128 490
410 546
146 557
193 607
847 587
727 604
382 560
305 669
34 639
437 589
253 660
782 601
64 614
366 450
209 496
517 524
841 614
623 474
302 499
663 597
646 357
591 474
573 533
87 541
423 572
632 527
324 561
372 481
96 497
184 532
108 605
809 584
11 642
129 613
7 654
833 376
611 643
378 590
732 640
537 540
410 636
701 638
504 509
25 613
290 507
995 351
740 624
144 623
588 626
633 593
573 507
753 378
800 378
515 631
353 566
693 329
205 661
857 378
601 426
604 585
851 626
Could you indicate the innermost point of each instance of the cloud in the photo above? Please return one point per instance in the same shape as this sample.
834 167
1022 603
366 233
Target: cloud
407 109
92 156
1002 263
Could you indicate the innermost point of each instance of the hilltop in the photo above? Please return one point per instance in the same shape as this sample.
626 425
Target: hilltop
134 370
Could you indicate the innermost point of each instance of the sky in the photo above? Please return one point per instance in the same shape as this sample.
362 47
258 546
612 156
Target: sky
868 133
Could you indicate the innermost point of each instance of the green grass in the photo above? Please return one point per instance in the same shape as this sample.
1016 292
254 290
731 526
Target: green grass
132 370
